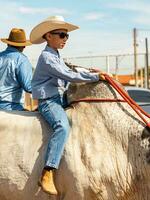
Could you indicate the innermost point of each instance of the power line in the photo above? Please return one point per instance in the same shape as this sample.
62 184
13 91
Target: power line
103 56
143 29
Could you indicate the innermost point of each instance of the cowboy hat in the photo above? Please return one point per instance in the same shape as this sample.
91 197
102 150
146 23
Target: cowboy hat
16 38
50 24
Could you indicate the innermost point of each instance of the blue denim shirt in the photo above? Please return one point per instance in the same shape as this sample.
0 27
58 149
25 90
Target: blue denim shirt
51 76
15 75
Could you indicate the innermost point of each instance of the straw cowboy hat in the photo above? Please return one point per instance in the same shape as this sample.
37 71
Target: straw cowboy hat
17 38
50 24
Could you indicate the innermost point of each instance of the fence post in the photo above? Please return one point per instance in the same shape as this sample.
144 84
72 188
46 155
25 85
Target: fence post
147 64
135 56
107 64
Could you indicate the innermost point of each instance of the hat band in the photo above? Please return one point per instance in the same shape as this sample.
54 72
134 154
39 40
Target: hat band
17 41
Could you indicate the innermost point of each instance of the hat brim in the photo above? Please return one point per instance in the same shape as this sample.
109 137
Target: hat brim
17 44
46 26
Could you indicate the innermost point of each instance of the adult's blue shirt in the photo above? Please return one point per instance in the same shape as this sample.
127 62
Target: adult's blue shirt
15 75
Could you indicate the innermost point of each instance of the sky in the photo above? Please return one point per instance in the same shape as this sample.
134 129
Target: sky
106 27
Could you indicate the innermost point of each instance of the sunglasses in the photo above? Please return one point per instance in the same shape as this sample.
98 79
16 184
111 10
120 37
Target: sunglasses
62 35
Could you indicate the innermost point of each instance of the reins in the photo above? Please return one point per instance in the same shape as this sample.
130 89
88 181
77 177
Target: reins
97 100
129 100
125 96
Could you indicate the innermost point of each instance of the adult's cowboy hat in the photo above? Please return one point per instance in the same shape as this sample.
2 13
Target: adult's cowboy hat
17 38
50 24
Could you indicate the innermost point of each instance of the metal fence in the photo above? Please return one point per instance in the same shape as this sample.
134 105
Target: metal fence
121 64
115 64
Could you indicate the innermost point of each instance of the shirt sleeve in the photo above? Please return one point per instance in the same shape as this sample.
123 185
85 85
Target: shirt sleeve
62 71
24 75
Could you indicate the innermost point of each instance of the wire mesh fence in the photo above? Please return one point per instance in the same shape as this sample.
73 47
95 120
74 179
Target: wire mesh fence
115 64
122 64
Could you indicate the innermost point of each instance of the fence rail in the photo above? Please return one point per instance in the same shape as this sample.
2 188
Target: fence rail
116 64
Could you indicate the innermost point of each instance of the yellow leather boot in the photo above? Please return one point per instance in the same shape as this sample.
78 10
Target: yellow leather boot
47 182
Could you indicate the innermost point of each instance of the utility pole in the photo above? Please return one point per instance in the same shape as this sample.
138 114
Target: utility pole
135 56
147 65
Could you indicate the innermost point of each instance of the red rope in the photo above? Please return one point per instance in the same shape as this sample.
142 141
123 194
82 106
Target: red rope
97 100
129 100
125 96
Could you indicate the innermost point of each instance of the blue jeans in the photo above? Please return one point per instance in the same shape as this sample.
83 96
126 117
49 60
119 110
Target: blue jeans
6 105
53 111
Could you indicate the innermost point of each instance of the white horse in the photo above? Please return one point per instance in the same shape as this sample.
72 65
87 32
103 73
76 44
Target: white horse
106 156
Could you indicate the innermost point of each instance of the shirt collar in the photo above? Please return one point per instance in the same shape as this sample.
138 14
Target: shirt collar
56 52
10 48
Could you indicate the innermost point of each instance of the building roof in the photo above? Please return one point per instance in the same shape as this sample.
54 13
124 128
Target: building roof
126 79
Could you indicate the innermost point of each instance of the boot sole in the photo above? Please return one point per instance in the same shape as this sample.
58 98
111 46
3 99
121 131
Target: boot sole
50 193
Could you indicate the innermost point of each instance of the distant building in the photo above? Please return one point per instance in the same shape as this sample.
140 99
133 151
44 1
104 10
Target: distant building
126 79
129 80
